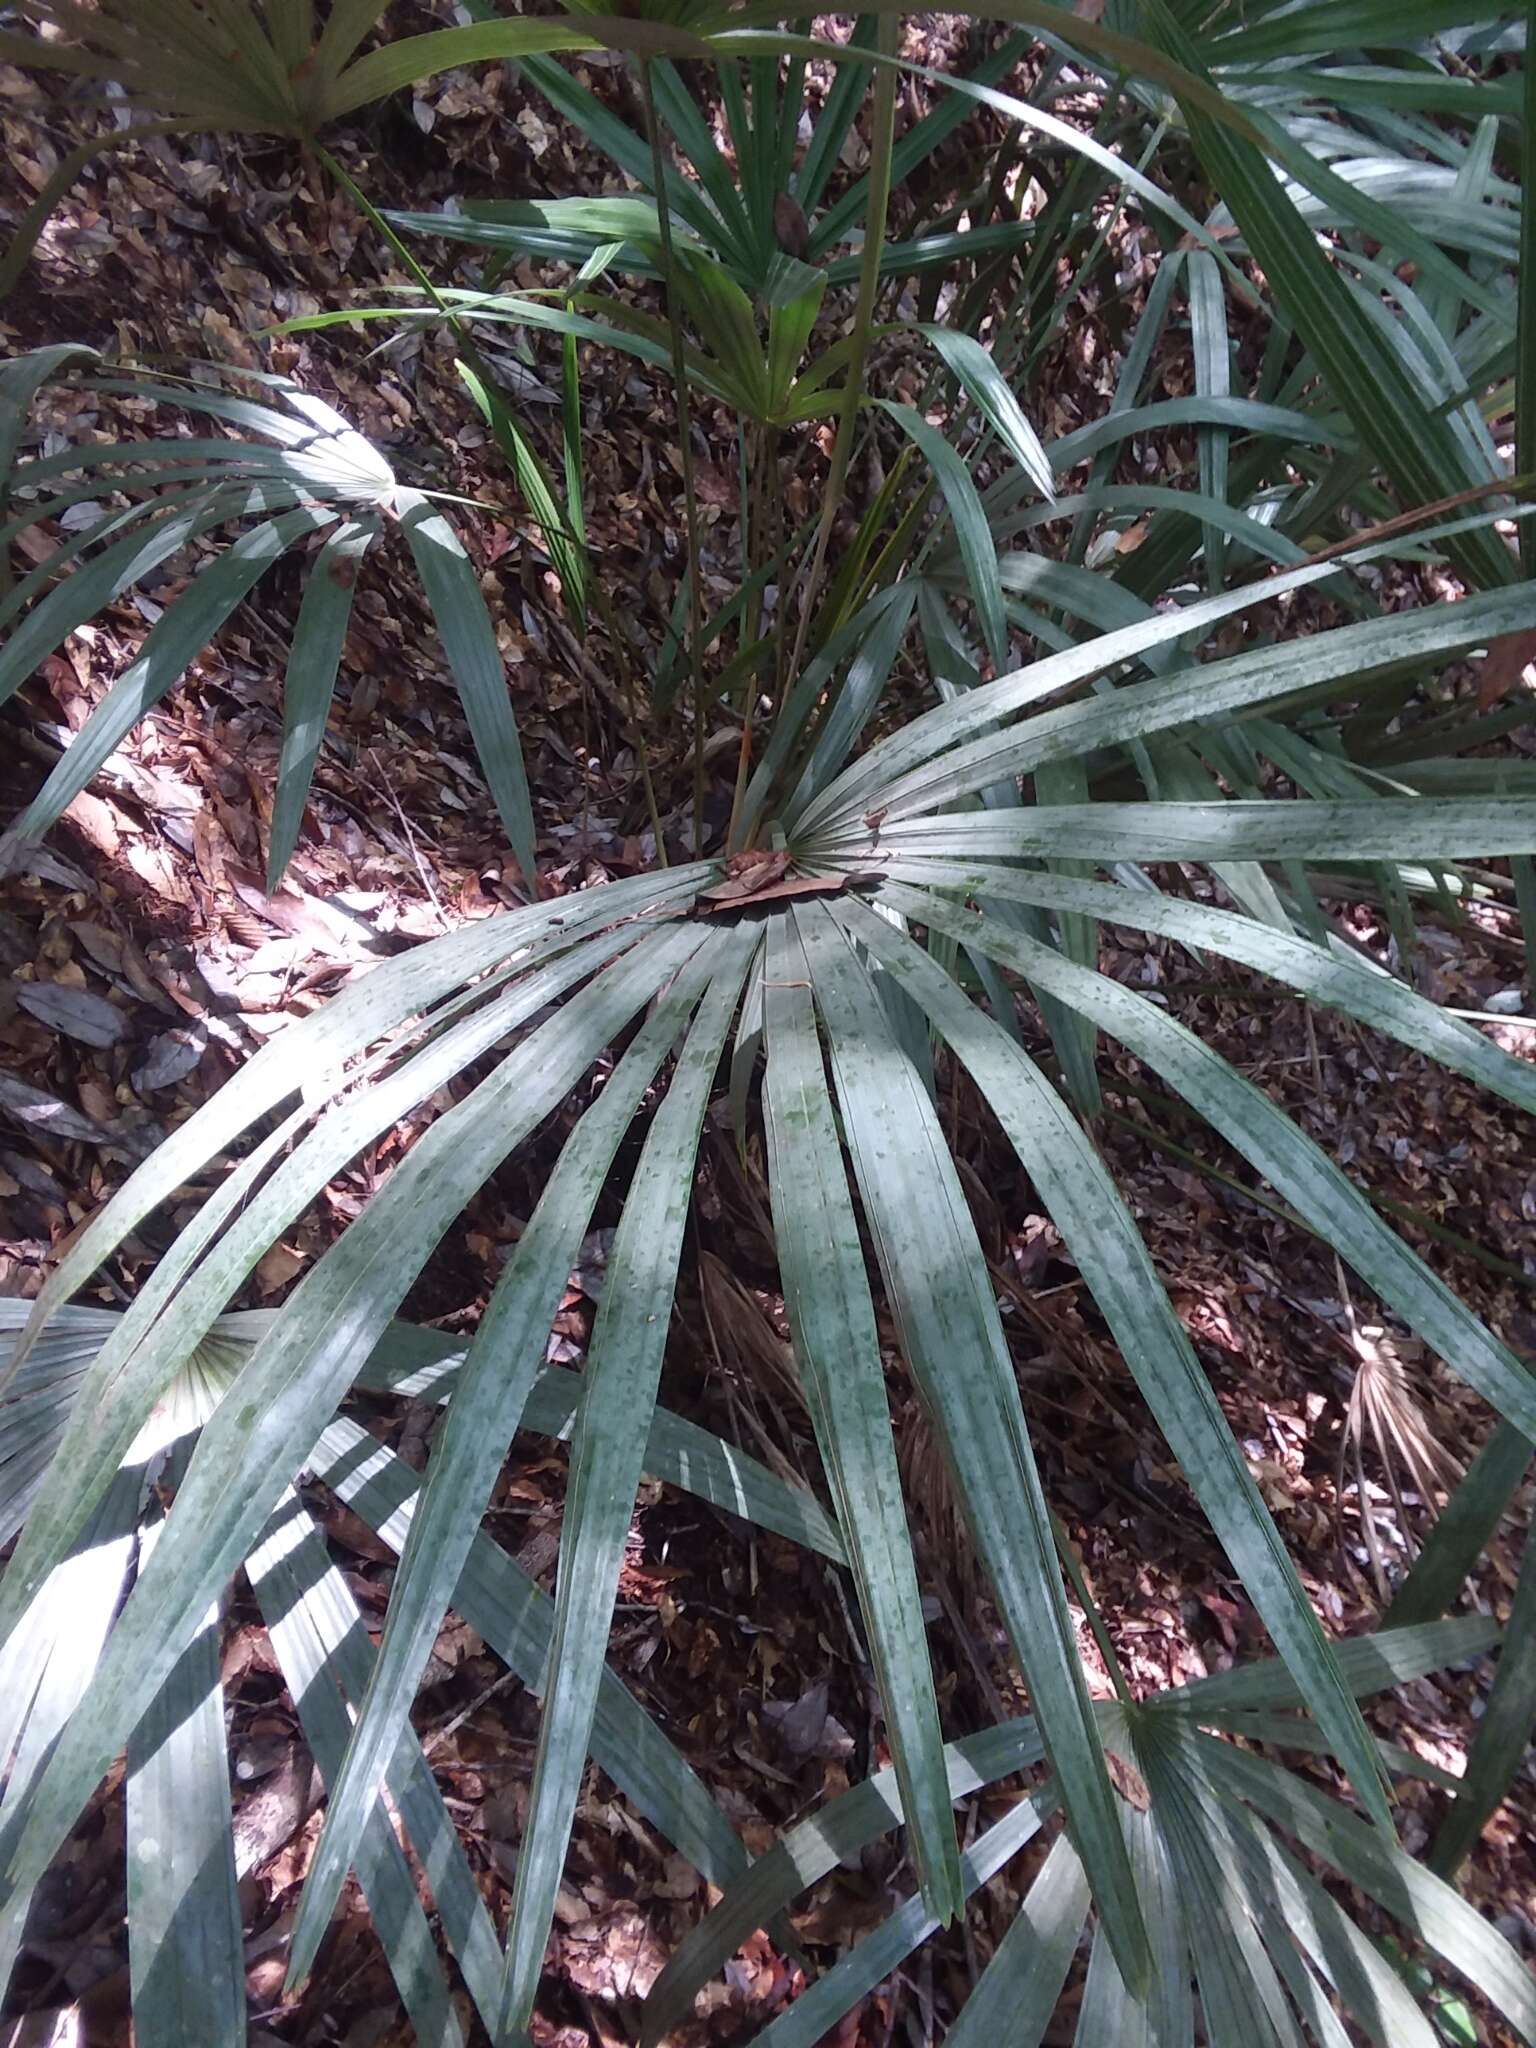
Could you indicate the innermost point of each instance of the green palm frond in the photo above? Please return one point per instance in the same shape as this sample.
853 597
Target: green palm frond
292 468
834 1064
260 67
1231 1908
243 67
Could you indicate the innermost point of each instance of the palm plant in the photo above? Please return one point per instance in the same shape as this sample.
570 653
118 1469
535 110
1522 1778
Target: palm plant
891 886
1236 1918
826 965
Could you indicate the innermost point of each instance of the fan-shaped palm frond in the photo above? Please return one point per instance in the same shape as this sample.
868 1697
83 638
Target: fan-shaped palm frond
294 468
1119 778
262 67
886 850
1233 1912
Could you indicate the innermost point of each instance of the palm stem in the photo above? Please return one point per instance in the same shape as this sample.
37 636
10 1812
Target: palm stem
762 516
685 448
880 156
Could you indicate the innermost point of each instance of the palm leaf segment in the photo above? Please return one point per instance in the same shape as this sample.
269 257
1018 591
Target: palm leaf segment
292 469
826 985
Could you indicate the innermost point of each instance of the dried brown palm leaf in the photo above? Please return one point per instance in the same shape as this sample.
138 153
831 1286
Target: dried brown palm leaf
1388 1409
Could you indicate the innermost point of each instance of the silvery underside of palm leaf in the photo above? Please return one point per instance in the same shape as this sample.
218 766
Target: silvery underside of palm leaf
825 991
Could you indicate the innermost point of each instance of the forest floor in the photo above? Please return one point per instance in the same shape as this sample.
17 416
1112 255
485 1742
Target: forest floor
150 896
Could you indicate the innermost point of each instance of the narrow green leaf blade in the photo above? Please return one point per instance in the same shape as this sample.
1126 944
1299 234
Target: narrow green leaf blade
937 1283
258 1437
322 1046
1375 1663
1460 1534
1296 1167
469 641
175 640
1117 1266
1213 379
323 1652
1414 1896
1502 1743
1335 976
813 2015
1413 442
837 1347
173 1313
186 1953
498 1599
319 634
894 774
973 366
1389 828
489 1394
972 533
807 1852
1017 1994
623 1366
